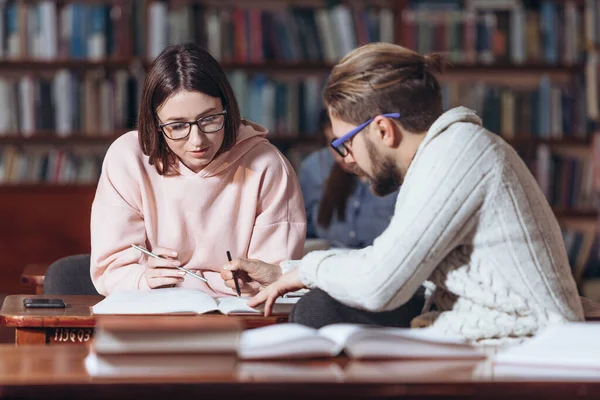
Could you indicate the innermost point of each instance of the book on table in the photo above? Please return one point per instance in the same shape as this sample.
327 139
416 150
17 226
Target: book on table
182 300
558 347
148 345
356 341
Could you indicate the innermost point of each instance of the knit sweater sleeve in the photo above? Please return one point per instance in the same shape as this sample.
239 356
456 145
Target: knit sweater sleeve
438 205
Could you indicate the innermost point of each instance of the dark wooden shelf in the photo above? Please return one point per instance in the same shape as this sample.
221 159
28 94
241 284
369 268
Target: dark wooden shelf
572 213
529 140
266 66
525 67
75 138
46 187
72 64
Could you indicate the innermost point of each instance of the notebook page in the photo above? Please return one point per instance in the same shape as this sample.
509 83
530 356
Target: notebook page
568 345
284 341
339 333
369 342
156 301
239 305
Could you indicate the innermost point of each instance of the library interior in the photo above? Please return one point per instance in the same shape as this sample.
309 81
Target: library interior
73 75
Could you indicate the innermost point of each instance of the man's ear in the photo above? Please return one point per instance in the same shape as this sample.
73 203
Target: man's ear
387 131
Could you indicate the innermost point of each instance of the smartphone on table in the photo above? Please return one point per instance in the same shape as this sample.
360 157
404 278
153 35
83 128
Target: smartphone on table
43 303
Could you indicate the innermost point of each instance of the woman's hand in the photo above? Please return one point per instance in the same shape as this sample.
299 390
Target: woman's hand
250 271
161 272
290 282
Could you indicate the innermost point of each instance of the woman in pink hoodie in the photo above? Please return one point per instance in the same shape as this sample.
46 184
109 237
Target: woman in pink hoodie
193 182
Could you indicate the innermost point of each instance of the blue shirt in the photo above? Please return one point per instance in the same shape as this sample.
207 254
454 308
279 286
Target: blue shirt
367 215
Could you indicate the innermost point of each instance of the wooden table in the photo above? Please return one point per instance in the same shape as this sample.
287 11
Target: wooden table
75 323
59 372
33 275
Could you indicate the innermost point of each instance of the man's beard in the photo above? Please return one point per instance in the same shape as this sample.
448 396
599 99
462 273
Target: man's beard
387 177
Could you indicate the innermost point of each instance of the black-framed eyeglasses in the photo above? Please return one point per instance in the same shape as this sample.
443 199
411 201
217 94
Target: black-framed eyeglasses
181 129
340 144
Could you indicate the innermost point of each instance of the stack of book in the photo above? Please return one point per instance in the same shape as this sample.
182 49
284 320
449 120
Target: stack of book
162 345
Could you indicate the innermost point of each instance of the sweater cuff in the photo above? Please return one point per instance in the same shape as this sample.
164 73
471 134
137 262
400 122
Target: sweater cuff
289 265
309 266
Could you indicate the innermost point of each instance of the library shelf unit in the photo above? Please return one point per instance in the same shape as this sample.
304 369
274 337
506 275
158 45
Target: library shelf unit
46 221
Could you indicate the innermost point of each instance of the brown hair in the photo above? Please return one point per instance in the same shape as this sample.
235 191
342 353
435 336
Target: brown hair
380 78
182 67
338 187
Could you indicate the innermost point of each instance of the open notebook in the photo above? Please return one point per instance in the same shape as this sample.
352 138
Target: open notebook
180 300
357 341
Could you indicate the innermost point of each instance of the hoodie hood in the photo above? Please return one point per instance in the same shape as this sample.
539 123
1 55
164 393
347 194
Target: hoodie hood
249 135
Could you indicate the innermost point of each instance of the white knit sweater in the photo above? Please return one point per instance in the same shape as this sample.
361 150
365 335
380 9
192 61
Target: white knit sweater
473 227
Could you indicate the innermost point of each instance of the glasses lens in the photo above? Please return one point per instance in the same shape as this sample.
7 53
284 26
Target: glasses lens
340 149
212 123
177 130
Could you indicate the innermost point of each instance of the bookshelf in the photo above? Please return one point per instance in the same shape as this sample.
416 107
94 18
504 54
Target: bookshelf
73 71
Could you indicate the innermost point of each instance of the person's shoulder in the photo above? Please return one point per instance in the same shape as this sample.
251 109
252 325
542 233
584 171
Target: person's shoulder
125 152
126 145
464 138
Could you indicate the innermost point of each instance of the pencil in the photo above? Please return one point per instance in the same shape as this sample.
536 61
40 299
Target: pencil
151 254
234 273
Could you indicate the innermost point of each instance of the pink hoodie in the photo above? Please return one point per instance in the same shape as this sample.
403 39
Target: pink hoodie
247 201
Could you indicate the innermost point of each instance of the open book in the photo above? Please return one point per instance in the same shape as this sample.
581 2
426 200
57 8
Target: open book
357 341
181 300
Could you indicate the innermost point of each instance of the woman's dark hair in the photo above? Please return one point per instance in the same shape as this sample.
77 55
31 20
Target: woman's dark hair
338 187
182 67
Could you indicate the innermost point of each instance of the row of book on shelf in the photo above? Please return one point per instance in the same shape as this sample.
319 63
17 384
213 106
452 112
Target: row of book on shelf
502 31
47 30
550 110
50 165
472 31
103 103
95 102
566 177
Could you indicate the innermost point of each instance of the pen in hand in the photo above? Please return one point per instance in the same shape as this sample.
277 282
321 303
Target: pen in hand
187 271
234 273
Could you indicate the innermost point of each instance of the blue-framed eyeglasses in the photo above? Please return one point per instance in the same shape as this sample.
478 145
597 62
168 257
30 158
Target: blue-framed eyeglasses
340 144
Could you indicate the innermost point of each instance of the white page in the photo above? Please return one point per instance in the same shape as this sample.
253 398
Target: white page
284 341
156 301
383 342
239 305
568 345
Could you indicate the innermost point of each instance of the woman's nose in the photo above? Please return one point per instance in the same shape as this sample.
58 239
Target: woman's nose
195 135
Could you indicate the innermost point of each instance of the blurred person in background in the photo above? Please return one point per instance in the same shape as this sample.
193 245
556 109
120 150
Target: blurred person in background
340 207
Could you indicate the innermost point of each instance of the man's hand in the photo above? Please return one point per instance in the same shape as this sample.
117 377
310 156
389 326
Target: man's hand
290 282
248 271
